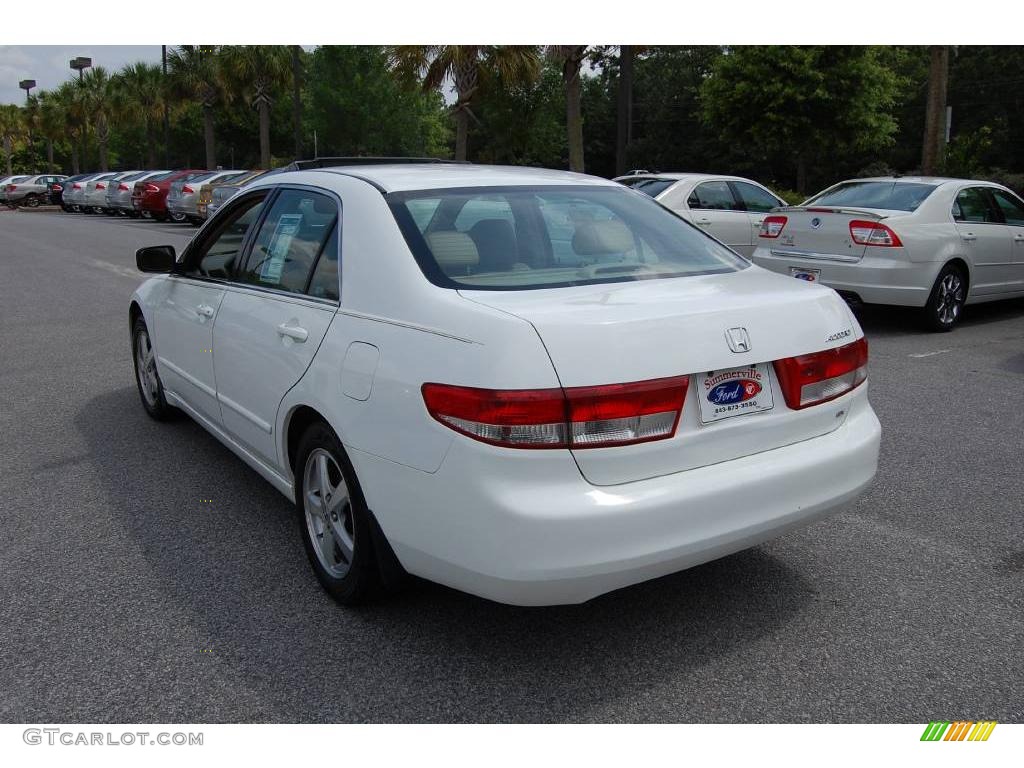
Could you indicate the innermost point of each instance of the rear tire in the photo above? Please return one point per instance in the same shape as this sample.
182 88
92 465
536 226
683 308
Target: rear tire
147 379
31 201
946 301
335 522
178 218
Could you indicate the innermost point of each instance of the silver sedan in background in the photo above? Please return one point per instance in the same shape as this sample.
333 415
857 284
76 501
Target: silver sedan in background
183 197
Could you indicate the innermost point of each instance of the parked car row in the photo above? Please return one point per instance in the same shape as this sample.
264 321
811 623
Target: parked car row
931 243
180 195
28 191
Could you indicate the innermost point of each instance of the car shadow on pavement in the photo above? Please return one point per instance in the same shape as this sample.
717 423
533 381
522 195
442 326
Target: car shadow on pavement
222 546
885 321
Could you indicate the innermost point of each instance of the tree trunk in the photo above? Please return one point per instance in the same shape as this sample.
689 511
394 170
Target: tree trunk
49 155
297 99
624 132
211 147
150 146
7 154
75 167
573 111
801 174
264 110
461 133
935 111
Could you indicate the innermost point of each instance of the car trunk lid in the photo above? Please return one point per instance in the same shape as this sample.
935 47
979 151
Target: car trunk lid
651 329
819 232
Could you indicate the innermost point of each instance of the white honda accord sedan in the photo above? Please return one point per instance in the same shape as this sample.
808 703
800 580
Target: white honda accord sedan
931 243
529 385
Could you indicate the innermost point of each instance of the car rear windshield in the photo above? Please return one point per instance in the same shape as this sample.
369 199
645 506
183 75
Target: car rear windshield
884 195
652 187
518 238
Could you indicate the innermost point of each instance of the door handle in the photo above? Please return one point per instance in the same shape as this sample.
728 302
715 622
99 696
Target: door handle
969 236
293 332
704 222
205 310
1018 238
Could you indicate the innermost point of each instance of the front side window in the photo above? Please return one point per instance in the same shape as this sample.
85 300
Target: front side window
290 239
218 254
1011 206
972 205
713 196
756 199
518 238
881 195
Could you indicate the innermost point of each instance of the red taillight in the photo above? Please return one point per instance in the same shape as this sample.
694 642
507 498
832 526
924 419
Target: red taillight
57 188
11 187
574 417
187 190
122 187
76 185
822 376
873 233
151 188
771 226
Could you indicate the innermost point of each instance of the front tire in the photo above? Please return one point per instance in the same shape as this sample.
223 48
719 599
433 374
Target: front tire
31 201
178 218
946 301
147 379
335 523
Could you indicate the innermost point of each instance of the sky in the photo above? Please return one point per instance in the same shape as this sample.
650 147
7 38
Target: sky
48 64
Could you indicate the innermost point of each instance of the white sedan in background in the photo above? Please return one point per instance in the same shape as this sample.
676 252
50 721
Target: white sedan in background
528 385
729 208
926 242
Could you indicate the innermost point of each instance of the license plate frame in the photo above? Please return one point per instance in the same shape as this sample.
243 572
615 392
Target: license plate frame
729 392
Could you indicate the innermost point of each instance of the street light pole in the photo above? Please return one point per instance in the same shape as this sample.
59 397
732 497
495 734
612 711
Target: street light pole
27 86
81 63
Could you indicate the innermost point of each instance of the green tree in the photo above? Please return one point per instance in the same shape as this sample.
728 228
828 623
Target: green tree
12 127
372 114
257 73
139 96
97 94
466 66
195 75
807 102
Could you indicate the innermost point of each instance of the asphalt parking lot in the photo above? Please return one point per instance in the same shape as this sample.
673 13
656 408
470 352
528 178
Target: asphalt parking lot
126 596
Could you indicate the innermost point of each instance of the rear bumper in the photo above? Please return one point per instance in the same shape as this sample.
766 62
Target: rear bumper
878 278
532 531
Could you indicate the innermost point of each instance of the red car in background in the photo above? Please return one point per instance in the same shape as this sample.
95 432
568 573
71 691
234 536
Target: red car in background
150 196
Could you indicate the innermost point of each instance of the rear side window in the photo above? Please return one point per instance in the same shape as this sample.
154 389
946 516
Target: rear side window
972 204
541 237
324 283
883 195
652 187
1011 206
290 240
756 199
713 196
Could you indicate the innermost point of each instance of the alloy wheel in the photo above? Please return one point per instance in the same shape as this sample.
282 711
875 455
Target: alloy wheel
950 299
328 507
145 366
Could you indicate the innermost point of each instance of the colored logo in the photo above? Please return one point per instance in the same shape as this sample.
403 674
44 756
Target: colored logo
815 222
960 730
734 391
808 276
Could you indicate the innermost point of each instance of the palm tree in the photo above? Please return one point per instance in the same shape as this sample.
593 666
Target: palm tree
570 58
12 127
52 124
139 95
69 105
257 72
464 65
97 89
297 98
195 73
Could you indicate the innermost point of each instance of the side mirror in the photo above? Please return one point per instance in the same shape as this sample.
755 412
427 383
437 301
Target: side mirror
156 258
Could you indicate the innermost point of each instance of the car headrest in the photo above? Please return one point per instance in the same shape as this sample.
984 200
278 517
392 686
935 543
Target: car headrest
602 238
454 252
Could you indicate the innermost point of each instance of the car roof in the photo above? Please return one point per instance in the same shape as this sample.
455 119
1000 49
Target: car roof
679 176
421 176
933 180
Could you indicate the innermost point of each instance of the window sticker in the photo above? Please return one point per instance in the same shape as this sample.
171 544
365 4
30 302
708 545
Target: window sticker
287 227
